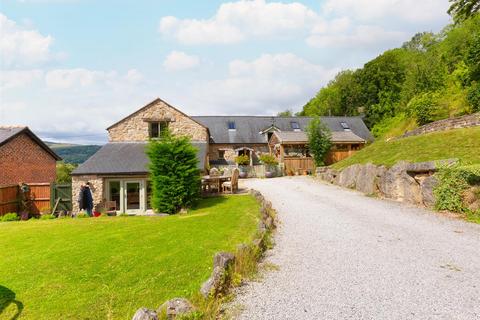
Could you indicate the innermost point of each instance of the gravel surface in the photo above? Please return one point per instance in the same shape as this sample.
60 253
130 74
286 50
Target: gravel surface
342 255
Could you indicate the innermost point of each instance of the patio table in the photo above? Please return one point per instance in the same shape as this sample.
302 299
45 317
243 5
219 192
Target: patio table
217 180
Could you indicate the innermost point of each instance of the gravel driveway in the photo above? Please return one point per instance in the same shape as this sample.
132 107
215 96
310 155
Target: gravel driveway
342 255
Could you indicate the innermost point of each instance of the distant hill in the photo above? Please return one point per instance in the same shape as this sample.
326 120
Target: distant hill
73 153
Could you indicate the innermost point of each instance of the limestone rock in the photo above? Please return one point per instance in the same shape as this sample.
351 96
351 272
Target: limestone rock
348 177
214 284
367 178
145 314
427 185
429 166
176 307
223 260
397 184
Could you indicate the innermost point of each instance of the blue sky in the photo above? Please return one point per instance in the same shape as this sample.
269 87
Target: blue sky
69 68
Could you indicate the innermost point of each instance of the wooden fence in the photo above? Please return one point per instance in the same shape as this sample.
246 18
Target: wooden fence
9 196
42 198
338 155
294 164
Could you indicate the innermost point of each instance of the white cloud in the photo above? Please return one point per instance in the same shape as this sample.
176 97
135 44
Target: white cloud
134 76
375 23
79 77
18 78
362 36
177 60
413 11
237 21
265 85
22 47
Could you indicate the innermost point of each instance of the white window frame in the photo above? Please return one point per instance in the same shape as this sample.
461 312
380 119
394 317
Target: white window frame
123 194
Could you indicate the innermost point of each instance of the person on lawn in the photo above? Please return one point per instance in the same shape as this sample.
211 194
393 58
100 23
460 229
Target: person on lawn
85 199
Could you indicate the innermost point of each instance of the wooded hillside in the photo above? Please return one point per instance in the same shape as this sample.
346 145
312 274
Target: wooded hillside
431 77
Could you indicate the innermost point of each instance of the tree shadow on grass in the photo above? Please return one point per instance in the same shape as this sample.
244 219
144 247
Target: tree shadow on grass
210 201
7 297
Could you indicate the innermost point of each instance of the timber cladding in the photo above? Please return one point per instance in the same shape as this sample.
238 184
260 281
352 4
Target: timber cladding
24 160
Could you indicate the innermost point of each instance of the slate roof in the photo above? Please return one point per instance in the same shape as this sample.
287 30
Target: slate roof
7 133
248 128
126 158
300 136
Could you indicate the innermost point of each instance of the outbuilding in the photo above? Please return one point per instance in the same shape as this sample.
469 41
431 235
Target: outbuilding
24 157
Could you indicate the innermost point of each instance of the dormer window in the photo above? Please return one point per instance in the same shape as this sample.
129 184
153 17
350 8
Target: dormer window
156 128
345 126
231 125
295 126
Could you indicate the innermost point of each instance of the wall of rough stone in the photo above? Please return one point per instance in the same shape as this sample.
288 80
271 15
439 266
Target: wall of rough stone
136 128
467 121
408 182
96 186
230 152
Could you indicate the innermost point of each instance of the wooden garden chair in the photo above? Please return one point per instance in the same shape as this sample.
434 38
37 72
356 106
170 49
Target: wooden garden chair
232 185
111 208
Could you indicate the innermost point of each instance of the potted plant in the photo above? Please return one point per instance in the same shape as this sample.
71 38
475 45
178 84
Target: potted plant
242 161
270 162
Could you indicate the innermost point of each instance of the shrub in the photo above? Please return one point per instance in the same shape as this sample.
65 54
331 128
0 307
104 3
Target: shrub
268 159
422 107
318 140
473 96
64 171
242 160
47 217
452 184
174 173
12 216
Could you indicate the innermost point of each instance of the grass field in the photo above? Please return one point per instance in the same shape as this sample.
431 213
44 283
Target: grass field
463 144
106 268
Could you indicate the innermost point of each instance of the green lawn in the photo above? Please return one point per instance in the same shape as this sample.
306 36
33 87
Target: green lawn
106 268
459 143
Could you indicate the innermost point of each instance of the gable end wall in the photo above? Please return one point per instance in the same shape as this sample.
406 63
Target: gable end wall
23 160
135 128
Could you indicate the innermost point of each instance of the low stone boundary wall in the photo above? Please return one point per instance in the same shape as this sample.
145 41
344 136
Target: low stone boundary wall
467 121
405 181
223 264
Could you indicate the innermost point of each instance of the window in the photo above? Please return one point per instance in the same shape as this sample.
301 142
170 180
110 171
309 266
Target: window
295 126
231 125
114 193
344 126
269 135
156 128
221 154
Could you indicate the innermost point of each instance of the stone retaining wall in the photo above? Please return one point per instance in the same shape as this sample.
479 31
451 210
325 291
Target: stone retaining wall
405 181
219 282
467 121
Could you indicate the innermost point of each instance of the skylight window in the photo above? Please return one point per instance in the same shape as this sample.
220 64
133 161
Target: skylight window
231 125
295 126
344 126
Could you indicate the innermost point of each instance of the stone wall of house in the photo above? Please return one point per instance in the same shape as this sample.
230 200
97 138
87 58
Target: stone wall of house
136 128
408 182
96 186
24 160
230 153
467 121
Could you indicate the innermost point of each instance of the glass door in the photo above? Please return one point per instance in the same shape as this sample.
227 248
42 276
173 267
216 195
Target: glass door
132 196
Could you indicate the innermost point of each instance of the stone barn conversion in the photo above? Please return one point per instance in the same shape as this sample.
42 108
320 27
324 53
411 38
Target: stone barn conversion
118 172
